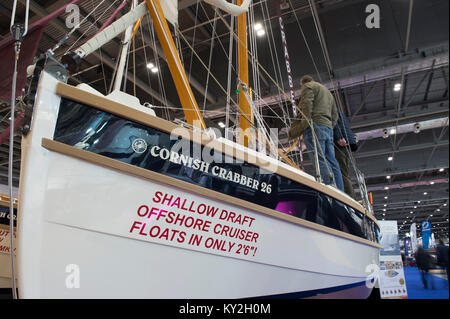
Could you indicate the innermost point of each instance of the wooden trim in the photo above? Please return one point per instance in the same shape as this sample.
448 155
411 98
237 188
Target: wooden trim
159 178
5 227
126 112
5 203
187 98
246 117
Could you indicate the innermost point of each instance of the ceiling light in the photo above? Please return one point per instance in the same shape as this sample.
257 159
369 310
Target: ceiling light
397 87
431 215
417 128
438 210
258 26
392 131
155 70
425 193
418 202
432 183
415 206
386 188
384 209
260 33
385 197
150 66
390 158
411 212
445 204
388 177
441 170
221 125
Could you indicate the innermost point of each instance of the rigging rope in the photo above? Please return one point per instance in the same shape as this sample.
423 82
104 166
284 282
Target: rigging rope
211 51
328 64
76 27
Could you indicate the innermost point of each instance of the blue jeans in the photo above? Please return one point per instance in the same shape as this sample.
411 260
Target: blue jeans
326 142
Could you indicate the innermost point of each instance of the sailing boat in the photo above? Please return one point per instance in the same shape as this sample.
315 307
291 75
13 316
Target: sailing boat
115 202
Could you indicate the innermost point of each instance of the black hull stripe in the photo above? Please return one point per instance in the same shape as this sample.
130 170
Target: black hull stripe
311 293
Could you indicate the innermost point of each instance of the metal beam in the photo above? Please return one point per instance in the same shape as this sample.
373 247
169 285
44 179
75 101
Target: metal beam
56 23
192 80
414 113
183 4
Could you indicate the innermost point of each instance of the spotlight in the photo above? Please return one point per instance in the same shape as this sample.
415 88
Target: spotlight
221 125
393 131
385 133
397 87
258 26
390 158
441 170
150 66
388 177
417 128
155 70
260 33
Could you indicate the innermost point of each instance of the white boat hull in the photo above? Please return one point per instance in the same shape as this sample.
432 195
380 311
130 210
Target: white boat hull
81 235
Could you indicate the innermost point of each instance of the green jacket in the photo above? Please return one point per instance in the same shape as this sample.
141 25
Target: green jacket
317 104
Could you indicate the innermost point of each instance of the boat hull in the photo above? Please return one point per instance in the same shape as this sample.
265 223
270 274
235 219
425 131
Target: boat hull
91 231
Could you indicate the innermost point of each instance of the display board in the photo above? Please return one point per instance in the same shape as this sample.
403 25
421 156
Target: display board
426 233
413 232
391 276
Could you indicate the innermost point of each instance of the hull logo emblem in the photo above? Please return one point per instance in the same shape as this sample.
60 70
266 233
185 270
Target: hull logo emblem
139 145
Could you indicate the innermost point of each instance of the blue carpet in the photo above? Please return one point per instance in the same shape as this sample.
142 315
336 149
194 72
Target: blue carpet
415 286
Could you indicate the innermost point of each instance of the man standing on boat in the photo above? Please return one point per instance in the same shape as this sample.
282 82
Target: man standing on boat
318 106
344 143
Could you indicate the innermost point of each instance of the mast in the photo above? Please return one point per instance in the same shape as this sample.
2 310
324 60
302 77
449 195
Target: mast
187 98
123 56
188 102
287 59
246 117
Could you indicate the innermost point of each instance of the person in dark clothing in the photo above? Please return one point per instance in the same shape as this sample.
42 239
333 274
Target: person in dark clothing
442 256
344 142
423 262
318 108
